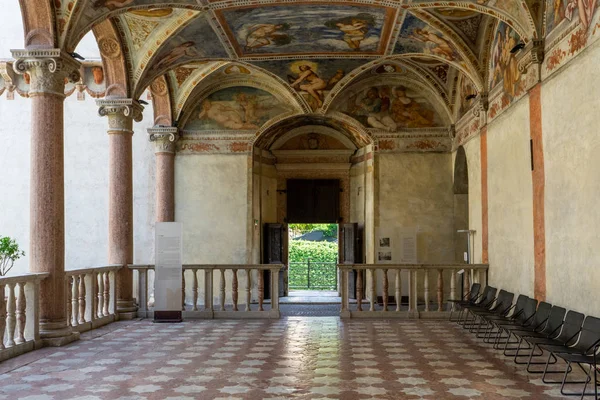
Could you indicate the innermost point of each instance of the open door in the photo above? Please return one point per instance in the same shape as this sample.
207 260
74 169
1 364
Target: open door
273 254
350 252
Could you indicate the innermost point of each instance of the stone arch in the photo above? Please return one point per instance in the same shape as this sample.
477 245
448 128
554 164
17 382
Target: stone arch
161 102
111 51
39 24
273 130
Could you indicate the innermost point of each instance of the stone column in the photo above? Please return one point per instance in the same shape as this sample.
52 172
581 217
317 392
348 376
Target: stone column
121 113
48 69
164 147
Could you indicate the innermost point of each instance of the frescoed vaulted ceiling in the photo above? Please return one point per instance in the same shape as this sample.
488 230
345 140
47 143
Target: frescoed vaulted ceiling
306 57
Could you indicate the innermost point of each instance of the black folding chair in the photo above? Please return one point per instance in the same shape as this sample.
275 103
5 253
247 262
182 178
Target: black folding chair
502 307
568 336
521 317
584 345
485 301
468 299
551 328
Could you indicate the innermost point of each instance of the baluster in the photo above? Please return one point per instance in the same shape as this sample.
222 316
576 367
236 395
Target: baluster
440 289
344 286
222 294
261 289
373 290
2 316
385 290
234 290
106 310
248 289
182 290
412 291
69 299
359 289
398 289
426 288
100 309
75 300
208 290
452 288
467 281
81 299
11 319
21 313
195 289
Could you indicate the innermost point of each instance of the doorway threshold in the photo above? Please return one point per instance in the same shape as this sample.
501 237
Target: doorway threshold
311 297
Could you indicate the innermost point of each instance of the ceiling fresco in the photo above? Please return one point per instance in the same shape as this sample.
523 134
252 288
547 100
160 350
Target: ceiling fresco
298 29
381 65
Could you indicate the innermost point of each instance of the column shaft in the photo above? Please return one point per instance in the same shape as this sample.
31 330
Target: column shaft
165 187
48 69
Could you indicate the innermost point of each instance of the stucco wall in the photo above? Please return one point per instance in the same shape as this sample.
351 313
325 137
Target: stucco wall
415 192
510 201
211 201
86 182
570 107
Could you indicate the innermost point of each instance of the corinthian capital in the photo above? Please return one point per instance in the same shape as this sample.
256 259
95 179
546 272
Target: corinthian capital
121 113
48 69
164 139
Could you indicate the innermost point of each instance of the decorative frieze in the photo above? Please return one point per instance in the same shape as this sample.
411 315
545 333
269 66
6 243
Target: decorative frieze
164 139
48 69
121 113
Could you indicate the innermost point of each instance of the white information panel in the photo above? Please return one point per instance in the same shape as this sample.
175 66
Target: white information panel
168 271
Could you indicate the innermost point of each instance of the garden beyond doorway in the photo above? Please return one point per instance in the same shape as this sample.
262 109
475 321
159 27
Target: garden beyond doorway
313 255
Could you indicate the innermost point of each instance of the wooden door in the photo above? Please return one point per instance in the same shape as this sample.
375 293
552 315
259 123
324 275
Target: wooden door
350 252
273 254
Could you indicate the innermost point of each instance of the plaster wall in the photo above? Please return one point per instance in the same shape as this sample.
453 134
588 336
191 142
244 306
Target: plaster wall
572 216
510 202
211 202
473 152
415 192
86 182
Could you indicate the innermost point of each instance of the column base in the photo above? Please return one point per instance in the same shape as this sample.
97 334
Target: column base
126 310
56 334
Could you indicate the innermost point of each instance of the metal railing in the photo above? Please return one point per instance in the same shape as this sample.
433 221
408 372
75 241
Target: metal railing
312 275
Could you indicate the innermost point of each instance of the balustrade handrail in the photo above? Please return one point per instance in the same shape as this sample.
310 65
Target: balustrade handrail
29 277
89 270
413 266
216 266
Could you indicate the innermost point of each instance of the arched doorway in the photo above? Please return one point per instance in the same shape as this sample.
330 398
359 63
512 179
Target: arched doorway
461 206
316 152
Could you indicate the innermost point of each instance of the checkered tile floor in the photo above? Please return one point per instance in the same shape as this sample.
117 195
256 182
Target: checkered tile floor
291 358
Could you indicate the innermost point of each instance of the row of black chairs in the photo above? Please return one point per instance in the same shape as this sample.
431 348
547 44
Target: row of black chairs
527 330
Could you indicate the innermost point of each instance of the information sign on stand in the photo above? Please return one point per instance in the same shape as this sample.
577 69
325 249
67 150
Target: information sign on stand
168 272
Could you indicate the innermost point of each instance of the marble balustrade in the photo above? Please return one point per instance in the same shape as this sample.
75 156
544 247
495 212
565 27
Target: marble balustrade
377 284
214 291
19 314
91 296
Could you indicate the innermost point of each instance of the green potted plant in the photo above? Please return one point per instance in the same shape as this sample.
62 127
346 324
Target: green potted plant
9 253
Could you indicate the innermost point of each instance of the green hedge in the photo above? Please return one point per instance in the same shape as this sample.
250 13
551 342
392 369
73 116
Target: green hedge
322 277
300 250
